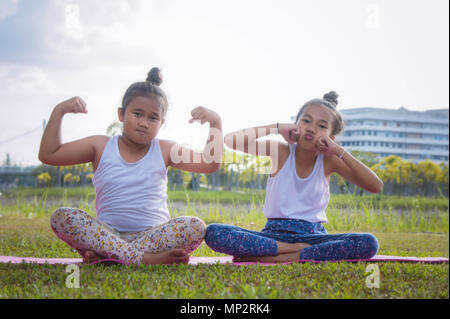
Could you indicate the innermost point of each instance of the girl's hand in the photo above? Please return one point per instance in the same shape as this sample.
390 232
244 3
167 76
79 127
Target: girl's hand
290 132
203 115
328 147
73 105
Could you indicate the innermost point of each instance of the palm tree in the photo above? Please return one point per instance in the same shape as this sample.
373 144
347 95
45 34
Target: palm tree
114 128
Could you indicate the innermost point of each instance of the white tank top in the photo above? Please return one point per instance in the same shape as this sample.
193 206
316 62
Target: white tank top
291 197
131 197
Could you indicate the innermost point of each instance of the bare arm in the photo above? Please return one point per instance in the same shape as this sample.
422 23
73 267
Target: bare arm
210 159
358 173
350 167
52 151
246 140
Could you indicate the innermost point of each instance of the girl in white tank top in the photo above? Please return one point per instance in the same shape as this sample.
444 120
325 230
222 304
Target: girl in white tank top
290 197
133 224
297 192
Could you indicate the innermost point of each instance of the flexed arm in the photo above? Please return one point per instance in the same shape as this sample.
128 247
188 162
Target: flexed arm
348 166
52 151
246 140
210 159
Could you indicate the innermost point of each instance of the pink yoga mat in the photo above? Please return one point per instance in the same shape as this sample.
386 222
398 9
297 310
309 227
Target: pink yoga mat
224 260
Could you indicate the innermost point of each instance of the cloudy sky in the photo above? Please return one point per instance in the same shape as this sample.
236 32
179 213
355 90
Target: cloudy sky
254 62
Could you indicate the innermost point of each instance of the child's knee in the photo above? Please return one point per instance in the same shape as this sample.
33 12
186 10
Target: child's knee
62 216
370 245
195 225
198 225
197 222
58 217
213 233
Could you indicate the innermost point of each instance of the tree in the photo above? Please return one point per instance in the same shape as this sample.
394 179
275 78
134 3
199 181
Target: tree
114 128
44 179
428 173
52 171
443 180
67 178
175 178
7 162
389 169
194 183
368 158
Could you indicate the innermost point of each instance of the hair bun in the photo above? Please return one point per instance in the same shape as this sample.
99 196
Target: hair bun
154 76
331 97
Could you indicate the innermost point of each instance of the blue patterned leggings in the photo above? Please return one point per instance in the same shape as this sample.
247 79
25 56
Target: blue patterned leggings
241 242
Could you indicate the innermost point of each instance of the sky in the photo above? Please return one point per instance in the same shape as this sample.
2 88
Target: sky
254 62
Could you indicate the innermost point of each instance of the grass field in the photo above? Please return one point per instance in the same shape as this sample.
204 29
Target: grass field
403 226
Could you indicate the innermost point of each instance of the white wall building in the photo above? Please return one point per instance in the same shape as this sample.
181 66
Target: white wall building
412 135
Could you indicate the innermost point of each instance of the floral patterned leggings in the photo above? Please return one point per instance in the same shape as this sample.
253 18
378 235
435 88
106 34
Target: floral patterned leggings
241 242
84 232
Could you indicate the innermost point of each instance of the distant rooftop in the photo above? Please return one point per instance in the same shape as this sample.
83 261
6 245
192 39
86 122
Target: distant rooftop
435 115
432 112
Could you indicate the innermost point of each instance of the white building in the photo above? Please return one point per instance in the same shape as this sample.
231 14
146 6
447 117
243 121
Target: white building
412 135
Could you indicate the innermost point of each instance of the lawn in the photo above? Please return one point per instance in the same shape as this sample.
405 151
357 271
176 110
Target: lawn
403 226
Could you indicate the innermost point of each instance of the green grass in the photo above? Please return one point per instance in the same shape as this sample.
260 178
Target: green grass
226 281
377 201
418 228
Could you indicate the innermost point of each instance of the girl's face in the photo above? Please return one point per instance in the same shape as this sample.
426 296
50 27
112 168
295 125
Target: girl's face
142 119
315 121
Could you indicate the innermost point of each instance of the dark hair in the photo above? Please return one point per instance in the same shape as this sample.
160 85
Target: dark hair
149 88
329 100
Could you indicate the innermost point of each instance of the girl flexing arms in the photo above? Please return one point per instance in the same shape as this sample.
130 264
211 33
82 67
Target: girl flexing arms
133 224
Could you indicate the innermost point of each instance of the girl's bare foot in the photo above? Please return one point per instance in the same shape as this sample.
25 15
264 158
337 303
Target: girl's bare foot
269 259
286 252
90 256
176 255
172 256
284 248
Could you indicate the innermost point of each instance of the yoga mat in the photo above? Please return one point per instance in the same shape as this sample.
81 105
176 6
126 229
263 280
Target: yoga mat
222 260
